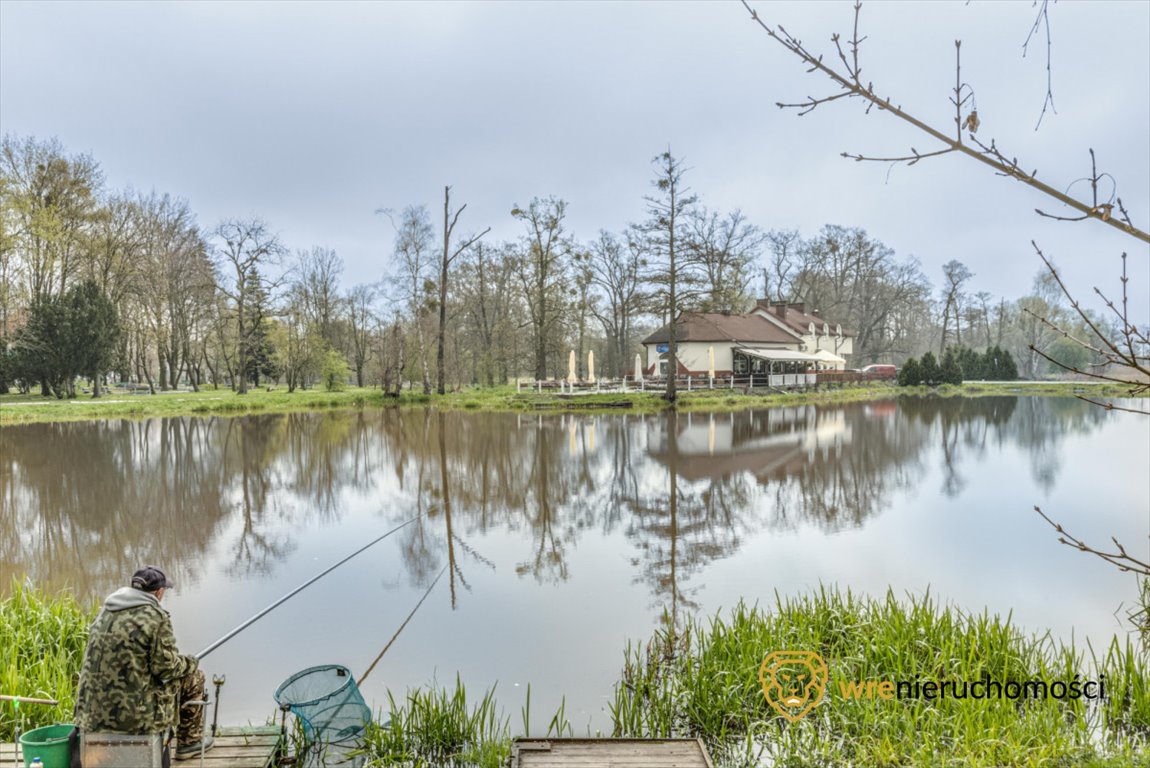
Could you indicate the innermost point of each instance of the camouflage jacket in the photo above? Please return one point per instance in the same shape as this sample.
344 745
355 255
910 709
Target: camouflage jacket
130 676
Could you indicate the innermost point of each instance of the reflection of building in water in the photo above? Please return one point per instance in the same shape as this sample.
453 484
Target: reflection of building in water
768 443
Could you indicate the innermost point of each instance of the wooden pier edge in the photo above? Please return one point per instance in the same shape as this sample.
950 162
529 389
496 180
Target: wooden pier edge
236 747
624 753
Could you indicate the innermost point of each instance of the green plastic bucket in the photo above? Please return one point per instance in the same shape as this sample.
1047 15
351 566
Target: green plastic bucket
49 743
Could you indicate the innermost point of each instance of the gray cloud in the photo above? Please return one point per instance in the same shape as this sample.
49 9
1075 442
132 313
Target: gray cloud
312 115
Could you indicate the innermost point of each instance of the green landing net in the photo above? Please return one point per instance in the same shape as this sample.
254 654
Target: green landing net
332 711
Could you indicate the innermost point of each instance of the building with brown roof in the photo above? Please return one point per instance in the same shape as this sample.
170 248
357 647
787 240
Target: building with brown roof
774 337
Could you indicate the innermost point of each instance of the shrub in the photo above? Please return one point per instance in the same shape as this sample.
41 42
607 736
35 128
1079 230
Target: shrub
335 371
910 375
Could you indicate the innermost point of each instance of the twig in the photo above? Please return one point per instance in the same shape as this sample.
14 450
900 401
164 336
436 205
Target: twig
853 86
1122 559
1043 20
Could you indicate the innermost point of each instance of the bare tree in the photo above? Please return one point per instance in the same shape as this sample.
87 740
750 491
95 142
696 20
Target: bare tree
724 248
488 298
956 276
449 221
413 252
544 270
616 270
360 320
782 247
242 247
668 212
319 273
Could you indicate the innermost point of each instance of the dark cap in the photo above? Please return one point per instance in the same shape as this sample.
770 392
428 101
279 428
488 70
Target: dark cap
150 578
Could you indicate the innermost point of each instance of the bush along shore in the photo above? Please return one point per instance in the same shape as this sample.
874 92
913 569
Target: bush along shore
19 409
703 679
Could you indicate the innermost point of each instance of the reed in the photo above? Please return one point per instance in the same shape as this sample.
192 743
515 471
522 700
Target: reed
42 639
702 680
439 727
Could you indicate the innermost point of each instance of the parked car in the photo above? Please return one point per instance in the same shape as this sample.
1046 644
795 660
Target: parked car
883 370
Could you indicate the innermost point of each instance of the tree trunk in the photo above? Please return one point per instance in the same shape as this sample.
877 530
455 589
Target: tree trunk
672 346
440 373
421 338
241 367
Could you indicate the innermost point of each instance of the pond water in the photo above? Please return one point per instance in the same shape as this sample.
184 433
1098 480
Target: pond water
562 537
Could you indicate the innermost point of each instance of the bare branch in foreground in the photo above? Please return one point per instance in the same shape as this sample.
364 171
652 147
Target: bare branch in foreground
1122 559
849 79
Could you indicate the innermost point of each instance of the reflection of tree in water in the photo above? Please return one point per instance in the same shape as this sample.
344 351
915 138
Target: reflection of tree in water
90 501
686 525
965 428
85 503
472 473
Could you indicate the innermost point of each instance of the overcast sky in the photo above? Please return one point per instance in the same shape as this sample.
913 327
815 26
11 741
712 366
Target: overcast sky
314 115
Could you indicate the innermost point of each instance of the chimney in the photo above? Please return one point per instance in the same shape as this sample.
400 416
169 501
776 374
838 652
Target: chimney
763 303
815 312
800 307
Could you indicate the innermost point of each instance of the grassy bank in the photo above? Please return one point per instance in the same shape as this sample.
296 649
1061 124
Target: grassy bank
42 639
18 409
702 680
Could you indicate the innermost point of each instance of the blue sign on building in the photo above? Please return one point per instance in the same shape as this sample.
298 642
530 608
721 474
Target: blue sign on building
661 348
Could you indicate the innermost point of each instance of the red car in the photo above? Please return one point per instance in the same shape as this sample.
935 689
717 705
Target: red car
884 371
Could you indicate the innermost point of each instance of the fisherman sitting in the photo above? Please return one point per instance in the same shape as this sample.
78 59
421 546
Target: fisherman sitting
134 680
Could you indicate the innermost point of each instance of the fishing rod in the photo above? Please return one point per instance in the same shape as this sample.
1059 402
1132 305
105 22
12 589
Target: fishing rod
298 589
401 626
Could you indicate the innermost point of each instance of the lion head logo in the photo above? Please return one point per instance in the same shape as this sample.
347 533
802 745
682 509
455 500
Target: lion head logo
793 681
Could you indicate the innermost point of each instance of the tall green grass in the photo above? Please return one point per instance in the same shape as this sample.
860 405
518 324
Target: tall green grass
438 727
702 680
42 639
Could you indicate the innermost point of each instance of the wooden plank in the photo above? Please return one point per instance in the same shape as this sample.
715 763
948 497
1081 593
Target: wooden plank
235 747
610 753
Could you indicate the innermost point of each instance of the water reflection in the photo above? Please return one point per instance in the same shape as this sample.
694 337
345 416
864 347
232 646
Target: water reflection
84 503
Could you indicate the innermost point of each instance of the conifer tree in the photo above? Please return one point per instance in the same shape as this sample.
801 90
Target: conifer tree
930 372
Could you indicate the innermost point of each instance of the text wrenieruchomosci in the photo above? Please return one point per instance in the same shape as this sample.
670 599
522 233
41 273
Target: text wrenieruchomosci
794 682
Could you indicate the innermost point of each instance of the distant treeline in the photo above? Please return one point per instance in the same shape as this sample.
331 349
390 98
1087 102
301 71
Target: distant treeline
128 286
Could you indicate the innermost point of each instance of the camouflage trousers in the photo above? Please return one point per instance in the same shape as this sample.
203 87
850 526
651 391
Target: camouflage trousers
191 727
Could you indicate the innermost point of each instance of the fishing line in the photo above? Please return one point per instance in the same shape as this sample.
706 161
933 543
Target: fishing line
299 589
401 626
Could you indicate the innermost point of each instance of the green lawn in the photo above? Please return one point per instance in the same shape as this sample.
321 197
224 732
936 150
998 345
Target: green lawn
18 409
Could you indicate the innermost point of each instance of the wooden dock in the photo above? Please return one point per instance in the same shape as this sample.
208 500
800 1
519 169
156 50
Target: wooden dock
609 753
242 747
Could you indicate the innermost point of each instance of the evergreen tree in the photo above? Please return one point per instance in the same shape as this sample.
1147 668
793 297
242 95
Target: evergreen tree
1008 370
261 354
39 351
950 371
92 333
910 375
971 363
930 372
259 357
999 365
